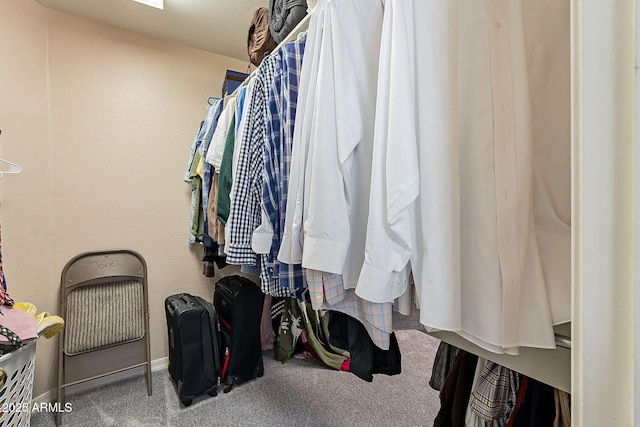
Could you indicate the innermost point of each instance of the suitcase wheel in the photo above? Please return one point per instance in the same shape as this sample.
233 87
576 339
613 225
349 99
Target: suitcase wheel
213 392
186 401
231 381
259 372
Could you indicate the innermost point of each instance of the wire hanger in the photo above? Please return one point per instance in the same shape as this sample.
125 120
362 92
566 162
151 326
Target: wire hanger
13 168
212 99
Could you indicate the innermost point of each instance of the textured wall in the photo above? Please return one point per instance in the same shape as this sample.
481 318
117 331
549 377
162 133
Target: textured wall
101 120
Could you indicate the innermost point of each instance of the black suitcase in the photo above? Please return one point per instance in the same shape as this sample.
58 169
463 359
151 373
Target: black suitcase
238 302
194 346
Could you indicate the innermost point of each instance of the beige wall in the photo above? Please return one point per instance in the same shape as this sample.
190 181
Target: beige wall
102 121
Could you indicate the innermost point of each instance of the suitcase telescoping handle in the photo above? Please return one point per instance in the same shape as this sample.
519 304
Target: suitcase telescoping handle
178 300
174 302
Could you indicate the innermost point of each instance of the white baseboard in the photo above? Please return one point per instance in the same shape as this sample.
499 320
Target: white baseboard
51 395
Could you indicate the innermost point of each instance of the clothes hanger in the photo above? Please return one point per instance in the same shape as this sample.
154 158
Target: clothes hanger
212 99
13 168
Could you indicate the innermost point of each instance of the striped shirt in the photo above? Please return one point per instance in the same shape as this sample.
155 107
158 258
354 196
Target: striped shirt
494 396
327 292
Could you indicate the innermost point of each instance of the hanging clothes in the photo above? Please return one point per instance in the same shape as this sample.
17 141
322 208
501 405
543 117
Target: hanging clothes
291 245
215 206
195 174
547 26
445 355
537 407
242 115
316 194
327 292
337 171
479 393
191 177
472 419
205 171
455 393
225 129
245 213
415 156
563 409
365 358
494 393
301 323
453 163
215 150
225 177
281 113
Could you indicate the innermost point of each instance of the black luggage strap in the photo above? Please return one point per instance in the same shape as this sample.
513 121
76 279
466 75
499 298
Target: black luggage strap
211 361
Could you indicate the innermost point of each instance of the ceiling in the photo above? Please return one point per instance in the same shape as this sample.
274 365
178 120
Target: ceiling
218 26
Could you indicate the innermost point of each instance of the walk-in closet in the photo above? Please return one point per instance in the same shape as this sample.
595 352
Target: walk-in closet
436 200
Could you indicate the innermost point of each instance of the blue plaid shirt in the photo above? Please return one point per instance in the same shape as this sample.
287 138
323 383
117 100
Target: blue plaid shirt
281 111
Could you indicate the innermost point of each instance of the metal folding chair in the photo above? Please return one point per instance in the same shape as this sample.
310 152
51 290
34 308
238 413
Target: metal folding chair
104 301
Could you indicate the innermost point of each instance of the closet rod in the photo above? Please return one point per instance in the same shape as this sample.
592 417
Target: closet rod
563 341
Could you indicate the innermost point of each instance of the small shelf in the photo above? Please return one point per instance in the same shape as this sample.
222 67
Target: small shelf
551 367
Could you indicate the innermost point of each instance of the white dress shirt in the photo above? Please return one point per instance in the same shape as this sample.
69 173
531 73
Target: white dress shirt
216 148
291 246
452 190
338 168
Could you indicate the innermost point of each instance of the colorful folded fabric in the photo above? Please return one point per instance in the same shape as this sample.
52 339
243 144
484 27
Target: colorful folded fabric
20 322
